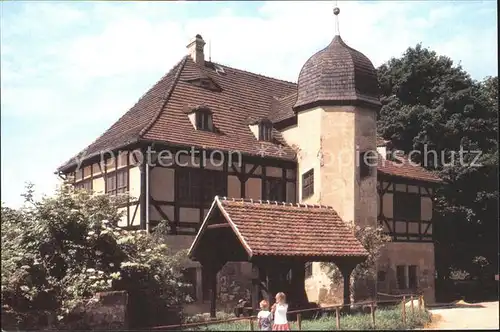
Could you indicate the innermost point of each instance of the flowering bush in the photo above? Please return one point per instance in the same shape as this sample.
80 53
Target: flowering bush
61 250
373 240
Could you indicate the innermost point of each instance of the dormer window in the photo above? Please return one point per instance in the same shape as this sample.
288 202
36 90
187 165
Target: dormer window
204 120
205 83
201 117
265 131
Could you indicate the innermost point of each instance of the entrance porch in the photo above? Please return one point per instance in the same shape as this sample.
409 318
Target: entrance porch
278 239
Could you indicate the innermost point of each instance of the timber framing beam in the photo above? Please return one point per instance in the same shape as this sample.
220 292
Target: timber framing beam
387 185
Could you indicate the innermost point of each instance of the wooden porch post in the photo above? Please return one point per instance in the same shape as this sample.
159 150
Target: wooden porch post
213 291
211 269
346 270
255 287
299 297
346 274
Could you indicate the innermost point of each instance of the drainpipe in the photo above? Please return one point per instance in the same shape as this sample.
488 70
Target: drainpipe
147 196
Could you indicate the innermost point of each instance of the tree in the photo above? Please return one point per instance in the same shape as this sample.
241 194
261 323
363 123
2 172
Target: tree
61 250
373 240
431 105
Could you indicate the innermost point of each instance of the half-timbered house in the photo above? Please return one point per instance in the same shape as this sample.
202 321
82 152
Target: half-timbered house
206 129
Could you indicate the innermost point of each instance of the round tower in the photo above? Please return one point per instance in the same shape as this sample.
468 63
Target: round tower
336 107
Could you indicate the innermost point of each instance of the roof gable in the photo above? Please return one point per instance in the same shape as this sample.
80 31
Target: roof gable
128 128
285 229
233 95
243 95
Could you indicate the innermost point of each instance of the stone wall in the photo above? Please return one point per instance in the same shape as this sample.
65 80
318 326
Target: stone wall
400 253
105 311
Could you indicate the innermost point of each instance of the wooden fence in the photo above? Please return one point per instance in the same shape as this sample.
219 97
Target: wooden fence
372 305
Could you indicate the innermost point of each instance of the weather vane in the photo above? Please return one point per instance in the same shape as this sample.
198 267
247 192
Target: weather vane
336 12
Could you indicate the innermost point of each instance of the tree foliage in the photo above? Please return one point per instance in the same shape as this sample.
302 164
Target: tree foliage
373 240
63 249
429 104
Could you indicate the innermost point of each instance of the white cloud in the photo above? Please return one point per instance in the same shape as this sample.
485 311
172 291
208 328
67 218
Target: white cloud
75 68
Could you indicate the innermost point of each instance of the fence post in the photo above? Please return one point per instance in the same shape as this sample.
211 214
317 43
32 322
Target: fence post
251 323
299 321
420 303
404 310
372 307
337 311
412 308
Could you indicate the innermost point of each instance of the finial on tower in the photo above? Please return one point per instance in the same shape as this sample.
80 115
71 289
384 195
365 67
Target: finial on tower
336 12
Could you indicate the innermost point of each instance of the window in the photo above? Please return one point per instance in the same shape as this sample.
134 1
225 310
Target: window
401 276
79 174
381 276
406 206
194 185
117 182
309 269
87 185
204 120
214 183
274 190
265 131
188 186
308 184
412 277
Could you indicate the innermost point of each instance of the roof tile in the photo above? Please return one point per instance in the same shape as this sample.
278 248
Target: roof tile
274 228
160 114
406 169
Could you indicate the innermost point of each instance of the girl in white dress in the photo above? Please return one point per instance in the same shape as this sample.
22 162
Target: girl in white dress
279 311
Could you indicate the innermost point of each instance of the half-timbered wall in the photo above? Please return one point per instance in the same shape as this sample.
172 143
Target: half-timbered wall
405 211
114 176
182 193
407 264
181 190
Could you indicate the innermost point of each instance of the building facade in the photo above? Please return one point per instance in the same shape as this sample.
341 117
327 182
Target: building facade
205 129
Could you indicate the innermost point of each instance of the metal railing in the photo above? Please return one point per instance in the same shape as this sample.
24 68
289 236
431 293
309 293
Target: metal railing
372 304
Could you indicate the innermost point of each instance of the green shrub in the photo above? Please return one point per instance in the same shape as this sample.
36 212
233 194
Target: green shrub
61 250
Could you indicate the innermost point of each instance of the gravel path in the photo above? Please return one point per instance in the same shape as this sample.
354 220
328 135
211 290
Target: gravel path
474 316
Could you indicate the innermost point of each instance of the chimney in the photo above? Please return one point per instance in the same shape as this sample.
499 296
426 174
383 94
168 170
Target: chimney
195 50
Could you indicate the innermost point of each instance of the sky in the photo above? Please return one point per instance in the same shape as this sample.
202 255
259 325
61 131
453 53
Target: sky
70 69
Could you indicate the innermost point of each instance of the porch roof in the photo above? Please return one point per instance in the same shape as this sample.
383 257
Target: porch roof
267 228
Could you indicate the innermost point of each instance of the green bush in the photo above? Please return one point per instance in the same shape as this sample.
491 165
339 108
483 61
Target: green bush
61 250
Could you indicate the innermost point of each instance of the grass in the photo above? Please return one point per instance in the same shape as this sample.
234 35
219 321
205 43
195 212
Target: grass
385 319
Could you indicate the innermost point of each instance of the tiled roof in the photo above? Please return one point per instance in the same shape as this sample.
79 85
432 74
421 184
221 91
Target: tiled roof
235 97
282 109
337 73
406 169
283 229
128 128
159 115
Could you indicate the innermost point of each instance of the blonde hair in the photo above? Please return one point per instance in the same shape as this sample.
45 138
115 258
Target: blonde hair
281 296
264 304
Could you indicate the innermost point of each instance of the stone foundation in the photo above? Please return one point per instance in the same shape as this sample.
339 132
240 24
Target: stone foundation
105 311
400 253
